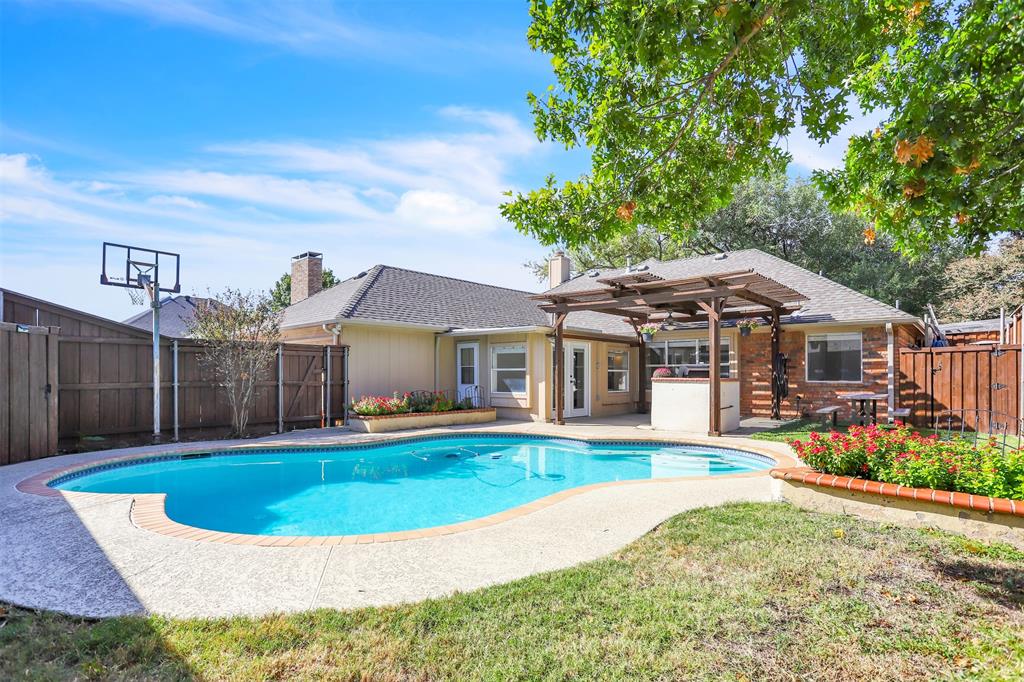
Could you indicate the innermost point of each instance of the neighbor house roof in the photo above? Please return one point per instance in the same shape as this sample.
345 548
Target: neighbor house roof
970 326
827 301
176 313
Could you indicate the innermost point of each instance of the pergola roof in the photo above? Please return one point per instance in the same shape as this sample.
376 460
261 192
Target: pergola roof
642 296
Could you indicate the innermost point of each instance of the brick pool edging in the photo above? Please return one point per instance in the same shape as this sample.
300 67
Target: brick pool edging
148 512
968 501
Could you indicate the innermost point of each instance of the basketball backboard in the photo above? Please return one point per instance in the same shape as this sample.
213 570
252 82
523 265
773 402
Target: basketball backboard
135 267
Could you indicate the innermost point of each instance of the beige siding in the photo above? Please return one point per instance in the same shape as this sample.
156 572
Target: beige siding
603 402
382 360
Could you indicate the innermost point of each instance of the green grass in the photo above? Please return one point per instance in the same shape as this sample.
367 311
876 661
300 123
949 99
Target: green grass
741 592
801 430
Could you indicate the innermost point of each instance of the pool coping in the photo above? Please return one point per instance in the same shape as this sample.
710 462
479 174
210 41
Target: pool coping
148 509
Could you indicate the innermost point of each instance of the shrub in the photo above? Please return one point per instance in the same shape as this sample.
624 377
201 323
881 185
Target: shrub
418 401
375 405
662 373
905 457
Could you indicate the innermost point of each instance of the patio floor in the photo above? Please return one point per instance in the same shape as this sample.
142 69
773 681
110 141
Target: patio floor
80 553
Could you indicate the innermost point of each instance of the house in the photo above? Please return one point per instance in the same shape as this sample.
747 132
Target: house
176 315
411 330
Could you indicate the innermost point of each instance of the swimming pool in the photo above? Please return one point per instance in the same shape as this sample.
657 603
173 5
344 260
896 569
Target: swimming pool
391 486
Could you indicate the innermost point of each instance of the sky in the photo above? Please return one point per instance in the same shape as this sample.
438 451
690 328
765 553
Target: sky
240 134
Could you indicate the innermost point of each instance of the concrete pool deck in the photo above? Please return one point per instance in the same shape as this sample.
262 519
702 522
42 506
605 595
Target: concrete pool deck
81 553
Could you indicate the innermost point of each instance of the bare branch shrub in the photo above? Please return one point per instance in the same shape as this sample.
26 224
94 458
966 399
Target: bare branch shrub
239 332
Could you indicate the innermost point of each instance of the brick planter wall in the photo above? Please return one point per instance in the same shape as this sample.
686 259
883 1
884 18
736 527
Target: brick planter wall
755 372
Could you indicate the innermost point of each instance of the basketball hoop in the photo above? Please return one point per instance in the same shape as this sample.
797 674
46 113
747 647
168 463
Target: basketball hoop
145 273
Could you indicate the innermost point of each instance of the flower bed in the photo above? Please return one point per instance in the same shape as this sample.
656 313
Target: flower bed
409 402
906 458
415 410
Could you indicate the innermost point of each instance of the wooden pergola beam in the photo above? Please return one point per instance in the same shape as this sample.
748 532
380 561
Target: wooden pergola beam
642 300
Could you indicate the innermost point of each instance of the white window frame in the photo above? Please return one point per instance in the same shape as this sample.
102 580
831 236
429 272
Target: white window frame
826 336
726 344
509 348
609 370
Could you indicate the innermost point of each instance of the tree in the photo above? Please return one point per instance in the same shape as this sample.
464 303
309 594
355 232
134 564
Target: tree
631 247
239 332
976 288
679 101
281 292
789 219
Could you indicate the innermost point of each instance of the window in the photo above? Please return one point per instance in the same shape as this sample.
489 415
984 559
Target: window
618 371
687 357
834 357
508 369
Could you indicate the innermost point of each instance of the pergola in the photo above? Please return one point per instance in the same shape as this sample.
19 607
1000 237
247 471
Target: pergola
641 297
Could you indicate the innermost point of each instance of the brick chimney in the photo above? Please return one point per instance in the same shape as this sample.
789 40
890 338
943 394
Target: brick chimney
558 269
307 275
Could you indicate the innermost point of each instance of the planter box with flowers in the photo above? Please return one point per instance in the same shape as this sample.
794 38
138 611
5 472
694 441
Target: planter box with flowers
419 410
899 475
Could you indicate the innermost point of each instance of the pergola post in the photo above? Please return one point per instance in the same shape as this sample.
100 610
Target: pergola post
559 370
715 367
642 381
776 393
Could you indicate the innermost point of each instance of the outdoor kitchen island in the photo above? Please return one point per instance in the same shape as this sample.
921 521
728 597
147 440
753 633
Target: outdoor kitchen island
682 403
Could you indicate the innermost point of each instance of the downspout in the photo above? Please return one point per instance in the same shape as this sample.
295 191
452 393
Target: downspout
437 356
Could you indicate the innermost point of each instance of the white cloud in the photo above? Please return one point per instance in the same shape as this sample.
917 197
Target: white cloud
320 28
236 212
809 155
174 200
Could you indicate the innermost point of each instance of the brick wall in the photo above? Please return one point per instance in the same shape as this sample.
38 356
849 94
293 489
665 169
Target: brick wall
756 371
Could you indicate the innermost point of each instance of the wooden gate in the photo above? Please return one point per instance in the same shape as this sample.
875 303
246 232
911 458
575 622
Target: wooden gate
968 378
28 392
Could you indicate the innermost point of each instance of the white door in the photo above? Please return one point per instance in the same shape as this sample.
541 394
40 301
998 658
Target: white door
467 368
577 380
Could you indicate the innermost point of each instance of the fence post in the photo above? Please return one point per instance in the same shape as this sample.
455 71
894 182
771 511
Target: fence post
280 388
327 388
174 372
52 383
344 381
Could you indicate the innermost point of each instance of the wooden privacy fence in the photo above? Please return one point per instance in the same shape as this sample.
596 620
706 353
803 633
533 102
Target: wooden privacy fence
983 378
106 389
28 397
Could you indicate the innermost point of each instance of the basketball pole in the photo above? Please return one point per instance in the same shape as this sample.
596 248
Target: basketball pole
153 289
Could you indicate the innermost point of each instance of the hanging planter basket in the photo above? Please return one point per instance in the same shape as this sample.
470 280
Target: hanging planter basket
647 332
744 331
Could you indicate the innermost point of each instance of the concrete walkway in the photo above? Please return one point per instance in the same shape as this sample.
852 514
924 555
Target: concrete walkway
80 553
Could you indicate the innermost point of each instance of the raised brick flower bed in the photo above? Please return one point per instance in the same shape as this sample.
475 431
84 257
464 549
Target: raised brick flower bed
978 516
979 503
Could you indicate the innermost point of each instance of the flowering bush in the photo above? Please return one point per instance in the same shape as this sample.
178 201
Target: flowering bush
374 405
420 401
662 373
905 457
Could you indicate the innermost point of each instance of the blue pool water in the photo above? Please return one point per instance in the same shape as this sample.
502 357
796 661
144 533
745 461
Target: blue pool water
392 487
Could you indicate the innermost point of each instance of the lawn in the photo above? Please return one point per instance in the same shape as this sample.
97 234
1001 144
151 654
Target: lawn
741 592
801 429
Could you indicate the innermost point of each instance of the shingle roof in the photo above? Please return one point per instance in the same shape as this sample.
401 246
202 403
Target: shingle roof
176 312
827 301
970 326
389 294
